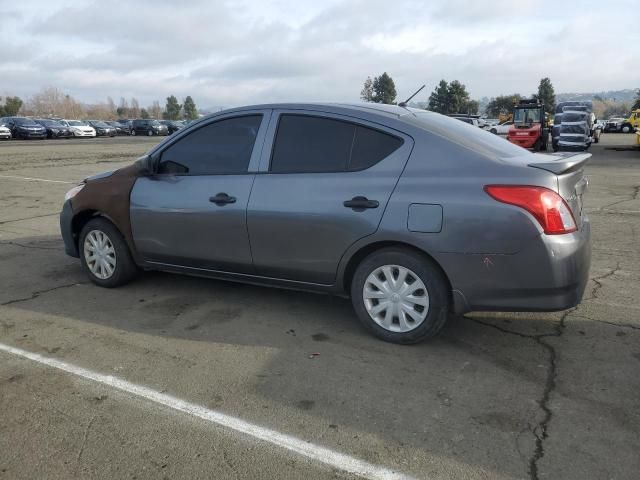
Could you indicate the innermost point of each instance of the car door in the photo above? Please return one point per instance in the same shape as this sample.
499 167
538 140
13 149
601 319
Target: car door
324 183
192 211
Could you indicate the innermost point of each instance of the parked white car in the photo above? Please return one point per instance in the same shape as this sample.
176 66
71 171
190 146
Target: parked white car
5 133
501 128
79 128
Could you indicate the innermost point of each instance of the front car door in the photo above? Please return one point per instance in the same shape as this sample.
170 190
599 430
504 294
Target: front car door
192 212
324 183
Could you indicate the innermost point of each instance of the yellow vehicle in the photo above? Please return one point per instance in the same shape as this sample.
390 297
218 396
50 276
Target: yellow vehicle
624 125
634 119
505 117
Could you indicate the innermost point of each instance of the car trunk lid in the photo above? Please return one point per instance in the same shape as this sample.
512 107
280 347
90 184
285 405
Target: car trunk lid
569 170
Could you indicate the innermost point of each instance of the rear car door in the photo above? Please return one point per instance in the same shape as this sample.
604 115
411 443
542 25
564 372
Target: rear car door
324 183
192 211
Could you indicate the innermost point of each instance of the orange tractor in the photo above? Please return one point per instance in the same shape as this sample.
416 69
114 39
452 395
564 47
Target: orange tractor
529 129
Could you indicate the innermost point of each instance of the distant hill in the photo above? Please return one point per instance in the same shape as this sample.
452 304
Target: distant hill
626 96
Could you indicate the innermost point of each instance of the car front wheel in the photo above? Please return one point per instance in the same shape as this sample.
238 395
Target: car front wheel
400 295
105 255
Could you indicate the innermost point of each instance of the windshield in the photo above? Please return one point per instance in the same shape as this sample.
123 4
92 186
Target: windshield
100 124
526 115
154 122
25 121
49 123
468 136
77 123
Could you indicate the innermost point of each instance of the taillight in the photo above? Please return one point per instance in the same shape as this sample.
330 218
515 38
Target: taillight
549 208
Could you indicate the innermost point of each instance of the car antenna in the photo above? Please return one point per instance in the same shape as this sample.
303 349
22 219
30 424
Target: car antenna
404 104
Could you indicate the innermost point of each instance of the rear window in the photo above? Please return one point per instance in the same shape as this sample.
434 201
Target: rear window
465 135
309 144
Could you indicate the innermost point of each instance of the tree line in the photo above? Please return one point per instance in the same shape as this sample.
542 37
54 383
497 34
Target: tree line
52 102
452 97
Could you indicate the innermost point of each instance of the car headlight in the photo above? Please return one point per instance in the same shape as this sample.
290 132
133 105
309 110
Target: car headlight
73 192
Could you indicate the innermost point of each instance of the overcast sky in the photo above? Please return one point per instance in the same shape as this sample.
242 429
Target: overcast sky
242 52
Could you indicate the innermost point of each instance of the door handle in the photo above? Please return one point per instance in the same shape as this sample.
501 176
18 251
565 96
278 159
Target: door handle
359 204
222 199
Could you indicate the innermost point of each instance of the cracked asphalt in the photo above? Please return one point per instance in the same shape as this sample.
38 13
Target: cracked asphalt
495 396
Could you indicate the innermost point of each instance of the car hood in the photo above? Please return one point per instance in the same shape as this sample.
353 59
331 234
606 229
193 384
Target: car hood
98 176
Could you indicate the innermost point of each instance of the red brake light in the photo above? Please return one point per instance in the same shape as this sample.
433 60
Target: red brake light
549 208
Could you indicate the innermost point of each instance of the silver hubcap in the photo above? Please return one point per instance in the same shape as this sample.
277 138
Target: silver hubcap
396 298
99 254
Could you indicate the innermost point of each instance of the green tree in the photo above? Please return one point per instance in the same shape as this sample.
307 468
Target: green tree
11 107
366 94
547 94
439 98
458 99
190 110
144 113
172 110
502 104
448 98
384 90
636 103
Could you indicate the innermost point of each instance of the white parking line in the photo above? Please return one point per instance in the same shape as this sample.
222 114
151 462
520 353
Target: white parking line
31 179
320 454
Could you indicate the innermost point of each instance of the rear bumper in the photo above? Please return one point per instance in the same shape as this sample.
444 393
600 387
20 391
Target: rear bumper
525 142
551 274
66 230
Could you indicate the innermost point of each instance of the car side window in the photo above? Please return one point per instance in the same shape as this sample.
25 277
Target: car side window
219 148
310 144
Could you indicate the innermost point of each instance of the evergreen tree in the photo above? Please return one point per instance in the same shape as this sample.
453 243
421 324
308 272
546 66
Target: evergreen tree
438 100
384 90
547 95
172 110
190 110
11 107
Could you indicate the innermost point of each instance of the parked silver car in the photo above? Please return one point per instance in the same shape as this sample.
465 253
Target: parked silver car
411 213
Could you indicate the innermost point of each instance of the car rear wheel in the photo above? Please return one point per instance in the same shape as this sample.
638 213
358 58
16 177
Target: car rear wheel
150 133
400 296
626 129
133 132
105 255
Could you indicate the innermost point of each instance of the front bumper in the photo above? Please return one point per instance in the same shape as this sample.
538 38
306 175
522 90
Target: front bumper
550 274
30 134
66 230
79 133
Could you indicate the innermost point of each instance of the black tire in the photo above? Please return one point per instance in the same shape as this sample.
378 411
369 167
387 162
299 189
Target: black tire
125 269
150 133
133 133
494 131
427 271
538 145
626 129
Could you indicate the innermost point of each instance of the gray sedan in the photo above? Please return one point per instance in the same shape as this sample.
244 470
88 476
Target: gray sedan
412 214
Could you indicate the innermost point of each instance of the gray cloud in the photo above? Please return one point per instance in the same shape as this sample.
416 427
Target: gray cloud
229 53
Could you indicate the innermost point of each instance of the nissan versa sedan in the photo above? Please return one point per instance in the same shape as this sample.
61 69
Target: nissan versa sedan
410 213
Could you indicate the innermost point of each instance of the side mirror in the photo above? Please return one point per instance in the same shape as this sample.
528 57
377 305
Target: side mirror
146 165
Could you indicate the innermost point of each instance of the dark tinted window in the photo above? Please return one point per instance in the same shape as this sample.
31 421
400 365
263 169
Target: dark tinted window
370 146
306 144
311 144
222 147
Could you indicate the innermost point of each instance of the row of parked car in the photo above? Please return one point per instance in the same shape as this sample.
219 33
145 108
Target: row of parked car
40 128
